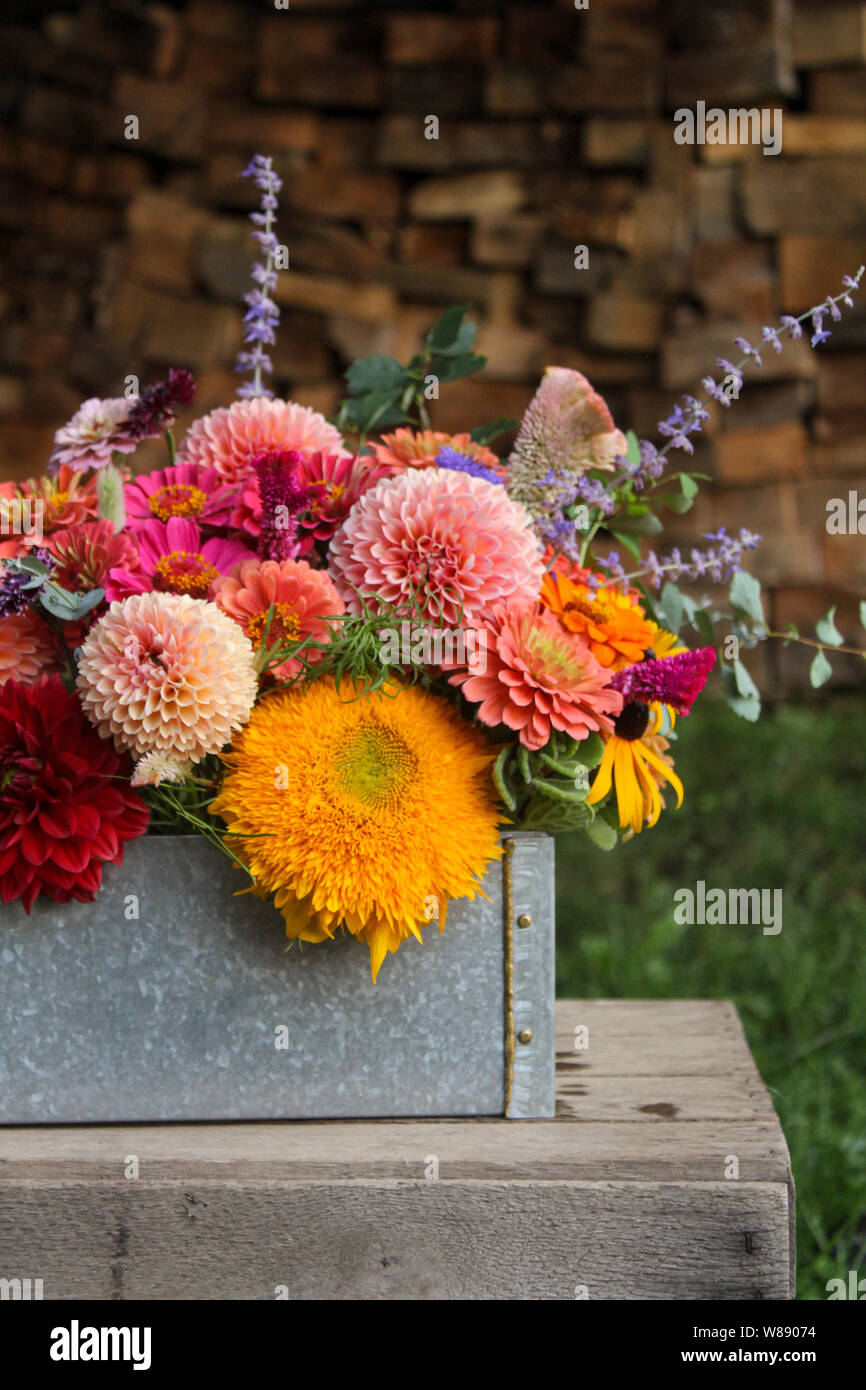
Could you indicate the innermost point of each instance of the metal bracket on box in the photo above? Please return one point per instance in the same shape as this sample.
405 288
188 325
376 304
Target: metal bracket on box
527 903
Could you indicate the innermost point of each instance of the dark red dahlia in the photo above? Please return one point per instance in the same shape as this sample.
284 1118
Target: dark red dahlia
64 807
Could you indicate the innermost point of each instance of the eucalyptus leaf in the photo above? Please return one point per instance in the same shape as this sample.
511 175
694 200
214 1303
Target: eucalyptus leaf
827 631
60 603
745 596
670 608
820 671
704 625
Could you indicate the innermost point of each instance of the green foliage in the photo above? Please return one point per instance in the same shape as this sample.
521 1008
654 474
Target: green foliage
746 822
547 790
67 607
383 393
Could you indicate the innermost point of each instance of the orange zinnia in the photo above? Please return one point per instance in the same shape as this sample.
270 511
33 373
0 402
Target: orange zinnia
611 622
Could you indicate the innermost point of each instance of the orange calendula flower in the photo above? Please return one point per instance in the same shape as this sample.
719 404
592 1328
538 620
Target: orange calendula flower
611 622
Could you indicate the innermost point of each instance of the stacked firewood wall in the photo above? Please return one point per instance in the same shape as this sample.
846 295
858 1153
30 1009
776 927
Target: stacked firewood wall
464 152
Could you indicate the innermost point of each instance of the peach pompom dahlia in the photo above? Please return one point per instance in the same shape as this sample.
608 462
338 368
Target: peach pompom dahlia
166 673
535 678
231 438
441 540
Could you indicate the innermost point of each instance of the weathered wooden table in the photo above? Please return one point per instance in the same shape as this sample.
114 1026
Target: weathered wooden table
664 1176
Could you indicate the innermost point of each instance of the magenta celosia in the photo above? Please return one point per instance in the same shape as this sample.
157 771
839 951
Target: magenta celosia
672 680
282 497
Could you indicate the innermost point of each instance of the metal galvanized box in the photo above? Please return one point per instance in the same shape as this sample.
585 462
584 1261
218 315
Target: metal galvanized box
168 998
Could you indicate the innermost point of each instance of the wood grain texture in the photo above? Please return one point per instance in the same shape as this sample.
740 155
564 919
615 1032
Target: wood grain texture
626 1192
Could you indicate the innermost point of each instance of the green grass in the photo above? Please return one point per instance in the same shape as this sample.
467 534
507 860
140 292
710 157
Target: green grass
778 804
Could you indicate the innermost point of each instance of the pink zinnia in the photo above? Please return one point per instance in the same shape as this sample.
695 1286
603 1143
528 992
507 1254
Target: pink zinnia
302 599
93 556
174 559
537 678
338 481
95 431
231 438
439 541
184 490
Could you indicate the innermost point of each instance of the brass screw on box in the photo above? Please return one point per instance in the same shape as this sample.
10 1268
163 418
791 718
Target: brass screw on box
524 920
525 1035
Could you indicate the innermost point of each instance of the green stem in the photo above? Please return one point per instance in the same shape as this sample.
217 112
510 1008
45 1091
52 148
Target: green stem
172 447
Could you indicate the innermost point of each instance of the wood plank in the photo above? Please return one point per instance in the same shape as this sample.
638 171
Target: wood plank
337 1150
402 1240
628 1192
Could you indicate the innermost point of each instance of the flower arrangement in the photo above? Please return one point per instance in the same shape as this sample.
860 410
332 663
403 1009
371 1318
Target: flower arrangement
347 652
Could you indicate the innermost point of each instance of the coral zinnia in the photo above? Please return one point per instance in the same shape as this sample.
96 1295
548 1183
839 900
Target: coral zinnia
535 678
637 768
231 438
449 543
387 809
55 503
419 449
301 597
167 673
184 490
612 623
27 647
64 808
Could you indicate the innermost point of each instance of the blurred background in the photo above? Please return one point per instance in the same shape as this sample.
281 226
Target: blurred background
555 131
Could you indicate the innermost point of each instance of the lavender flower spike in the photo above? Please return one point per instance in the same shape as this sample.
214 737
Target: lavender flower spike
263 315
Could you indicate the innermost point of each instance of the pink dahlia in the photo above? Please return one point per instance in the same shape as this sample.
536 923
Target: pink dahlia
535 678
166 673
175 560
437 540
93 556
301 598
231 438
184 490
420 449
95 431
28 647
64 809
